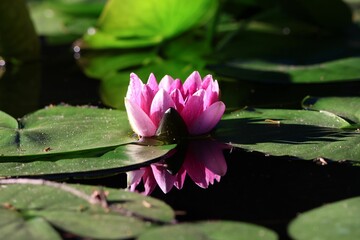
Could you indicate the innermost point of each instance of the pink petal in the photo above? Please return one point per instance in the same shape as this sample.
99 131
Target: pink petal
147 95
193 107
180 178
207 119
149 181
166 83
139 120
161 102
217 178
205 162
134 89
152 83
163 178
215 87
195 169
211 154
176 85
208 80
192 83
209 176
212 94
210 160
215 162
178 100
134 178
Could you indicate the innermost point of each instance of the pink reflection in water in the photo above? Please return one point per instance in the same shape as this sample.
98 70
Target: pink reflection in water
204 163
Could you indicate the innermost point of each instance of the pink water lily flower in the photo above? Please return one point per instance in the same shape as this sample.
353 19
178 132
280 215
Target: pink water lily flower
204 163
196 100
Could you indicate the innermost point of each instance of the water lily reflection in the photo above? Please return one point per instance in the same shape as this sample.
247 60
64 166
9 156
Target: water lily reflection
202 160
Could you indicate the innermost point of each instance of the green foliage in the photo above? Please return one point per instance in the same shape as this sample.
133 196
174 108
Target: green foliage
150 24
211 230
332 71
131 23
122 158
302 44
63 21
346 107
63 129
301 133
339 220
32 211
65 140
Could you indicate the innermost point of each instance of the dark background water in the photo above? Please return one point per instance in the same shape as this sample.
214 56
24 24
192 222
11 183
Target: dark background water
268 191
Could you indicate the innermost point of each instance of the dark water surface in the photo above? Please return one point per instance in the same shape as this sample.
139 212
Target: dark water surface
268 191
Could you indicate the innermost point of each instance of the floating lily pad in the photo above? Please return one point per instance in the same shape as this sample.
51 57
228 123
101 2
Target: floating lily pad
14 226
215 230
123 158
32 211
133 23
332 71
63 129
300 44
339 220
346 107
299 133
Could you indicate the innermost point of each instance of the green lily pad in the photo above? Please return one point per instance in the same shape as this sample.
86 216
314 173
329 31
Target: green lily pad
123 158
14 226
63 21
215 230
331 71
346 107
299 133
33 208
300 43
63 129
134 23
339 220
